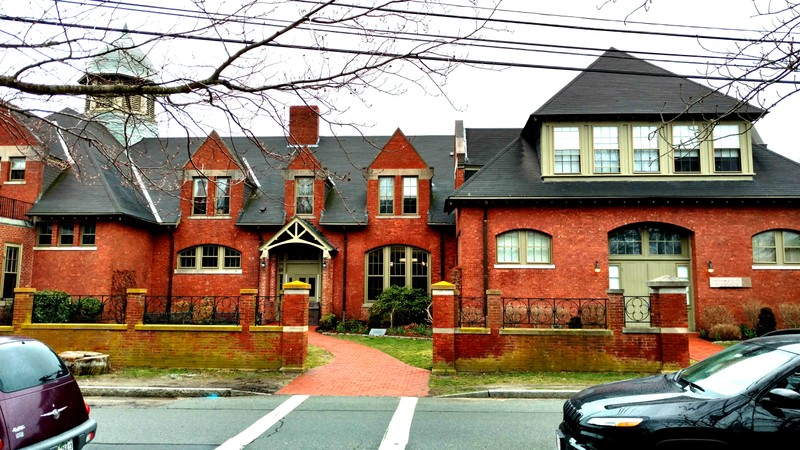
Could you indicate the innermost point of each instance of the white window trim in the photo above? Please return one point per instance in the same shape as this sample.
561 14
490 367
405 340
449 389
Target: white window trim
524 266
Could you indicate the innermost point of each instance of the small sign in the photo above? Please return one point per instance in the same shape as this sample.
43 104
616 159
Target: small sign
377 332
730 282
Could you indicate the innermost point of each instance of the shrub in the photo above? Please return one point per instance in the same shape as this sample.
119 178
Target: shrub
790 314
725 332
413 330
328 322
714 315
86 310
766 321
751 310
352 326
575 322
51 307
399 306
747 332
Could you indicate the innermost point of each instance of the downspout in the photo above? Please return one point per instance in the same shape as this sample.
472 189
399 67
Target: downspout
441 256
485 254
171 265
344 278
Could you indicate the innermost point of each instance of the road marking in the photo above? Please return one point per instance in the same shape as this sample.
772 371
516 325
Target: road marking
263 424
396 436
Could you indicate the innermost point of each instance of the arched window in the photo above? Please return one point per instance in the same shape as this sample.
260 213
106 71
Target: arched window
523 247
776 247
396 265
647 241
209 258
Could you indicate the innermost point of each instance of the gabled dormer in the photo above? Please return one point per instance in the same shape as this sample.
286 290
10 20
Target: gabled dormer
398 181
213 181
21 161
305 186
624 118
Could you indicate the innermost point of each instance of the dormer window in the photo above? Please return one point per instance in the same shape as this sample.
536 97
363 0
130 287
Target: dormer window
410 192
199 196
385 195
606 149
223 194
727 149
686 151
645 150
567 149
304 195
17 172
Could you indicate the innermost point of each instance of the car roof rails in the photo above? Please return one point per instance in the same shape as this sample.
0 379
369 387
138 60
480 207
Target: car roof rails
782 332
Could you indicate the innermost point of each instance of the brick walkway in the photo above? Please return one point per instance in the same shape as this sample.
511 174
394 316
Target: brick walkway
700 349
358 370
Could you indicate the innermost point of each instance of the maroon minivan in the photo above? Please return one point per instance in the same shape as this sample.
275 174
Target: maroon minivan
41 405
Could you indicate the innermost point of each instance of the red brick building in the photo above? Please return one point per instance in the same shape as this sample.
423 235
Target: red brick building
617 180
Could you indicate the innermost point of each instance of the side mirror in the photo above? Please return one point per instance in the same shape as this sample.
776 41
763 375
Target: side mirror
785 398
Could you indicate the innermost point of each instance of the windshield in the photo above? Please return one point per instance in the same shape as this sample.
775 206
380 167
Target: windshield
735 369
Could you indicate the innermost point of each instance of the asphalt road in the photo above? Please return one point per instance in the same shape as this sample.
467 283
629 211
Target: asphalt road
301 422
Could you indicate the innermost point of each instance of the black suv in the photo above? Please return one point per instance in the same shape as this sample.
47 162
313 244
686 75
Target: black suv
746 396
41 405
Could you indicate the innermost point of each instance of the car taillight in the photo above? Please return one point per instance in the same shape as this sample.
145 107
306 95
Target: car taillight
1 444
88 410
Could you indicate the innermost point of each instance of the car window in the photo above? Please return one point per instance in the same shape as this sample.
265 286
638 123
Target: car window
25 364
735 369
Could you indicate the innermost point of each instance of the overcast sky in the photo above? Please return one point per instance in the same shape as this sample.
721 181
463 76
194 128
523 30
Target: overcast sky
502 96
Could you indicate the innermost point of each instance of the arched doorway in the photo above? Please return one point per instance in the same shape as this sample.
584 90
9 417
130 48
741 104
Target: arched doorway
641 252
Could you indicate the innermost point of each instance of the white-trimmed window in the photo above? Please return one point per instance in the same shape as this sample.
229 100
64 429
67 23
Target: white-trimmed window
776 247
17 170
727 149
199 196
567 149
396 265
385 195
44 235
223 196
88 234
304 195
645 150
606 149
410 194
209 257
523 247
66 235
686 148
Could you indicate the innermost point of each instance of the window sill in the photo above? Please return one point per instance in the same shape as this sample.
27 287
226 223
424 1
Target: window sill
405 216
776 267
202 217
524 266
14 182
208 271
76 248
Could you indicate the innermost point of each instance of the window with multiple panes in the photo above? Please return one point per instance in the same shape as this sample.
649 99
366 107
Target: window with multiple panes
727 149
645 150
209 257
776 247
304 195
66 235
686 148
223 196
606 149
523 247
88 234
17 171
44 234
396 265
410 193
651 241
199 196
385 195
567 149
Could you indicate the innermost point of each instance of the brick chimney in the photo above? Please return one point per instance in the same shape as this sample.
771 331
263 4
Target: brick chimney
303 125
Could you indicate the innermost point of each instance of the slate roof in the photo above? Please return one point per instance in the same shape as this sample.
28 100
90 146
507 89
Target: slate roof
101 189
618 84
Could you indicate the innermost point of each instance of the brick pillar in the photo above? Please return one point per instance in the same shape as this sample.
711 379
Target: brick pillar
134 307
494 309
294 319
445 321
23 307
247 308
669 315
615 310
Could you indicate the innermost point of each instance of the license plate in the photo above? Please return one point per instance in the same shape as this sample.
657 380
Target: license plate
65 445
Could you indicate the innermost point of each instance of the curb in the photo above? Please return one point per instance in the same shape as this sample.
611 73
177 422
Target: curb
510 393
158 392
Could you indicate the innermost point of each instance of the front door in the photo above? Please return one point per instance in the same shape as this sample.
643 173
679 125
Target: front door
307 273
11 270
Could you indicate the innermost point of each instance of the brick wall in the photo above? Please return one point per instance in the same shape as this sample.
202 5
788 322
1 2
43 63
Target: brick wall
719 232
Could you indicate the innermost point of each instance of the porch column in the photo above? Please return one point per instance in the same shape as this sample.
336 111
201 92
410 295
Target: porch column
669 314
247 308
494 309
134 307
615 310
294 319
445 321
23 307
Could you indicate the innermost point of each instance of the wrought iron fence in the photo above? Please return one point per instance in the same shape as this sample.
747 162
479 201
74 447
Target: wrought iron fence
555 313
191 310
637 310
14 209
268 310
98 308
6 311
472 311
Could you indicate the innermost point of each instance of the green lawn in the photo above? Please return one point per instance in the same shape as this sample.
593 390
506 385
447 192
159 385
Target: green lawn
414 352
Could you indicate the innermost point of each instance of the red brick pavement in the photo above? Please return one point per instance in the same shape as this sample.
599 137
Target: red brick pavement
700 349
358 370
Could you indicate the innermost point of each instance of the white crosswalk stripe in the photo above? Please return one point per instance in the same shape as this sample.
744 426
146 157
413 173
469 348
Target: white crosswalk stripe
258 428
396 437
